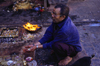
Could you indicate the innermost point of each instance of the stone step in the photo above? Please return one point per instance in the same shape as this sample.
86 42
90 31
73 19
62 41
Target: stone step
57 1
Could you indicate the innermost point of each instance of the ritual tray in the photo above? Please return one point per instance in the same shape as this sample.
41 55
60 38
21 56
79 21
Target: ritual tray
9 32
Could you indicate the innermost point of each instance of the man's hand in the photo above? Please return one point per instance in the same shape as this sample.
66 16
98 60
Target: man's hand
30 48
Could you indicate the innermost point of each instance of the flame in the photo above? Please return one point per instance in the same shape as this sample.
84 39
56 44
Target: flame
30 27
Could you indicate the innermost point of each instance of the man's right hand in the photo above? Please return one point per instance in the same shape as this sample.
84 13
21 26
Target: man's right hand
30 47
24 49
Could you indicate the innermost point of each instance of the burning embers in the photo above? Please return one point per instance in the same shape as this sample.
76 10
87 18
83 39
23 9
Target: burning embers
31 27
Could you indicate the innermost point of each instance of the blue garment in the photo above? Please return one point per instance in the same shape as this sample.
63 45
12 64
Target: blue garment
65 33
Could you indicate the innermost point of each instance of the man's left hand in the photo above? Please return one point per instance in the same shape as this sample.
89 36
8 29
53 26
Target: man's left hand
31 48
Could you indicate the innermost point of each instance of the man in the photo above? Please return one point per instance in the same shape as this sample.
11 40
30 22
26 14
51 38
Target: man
61 36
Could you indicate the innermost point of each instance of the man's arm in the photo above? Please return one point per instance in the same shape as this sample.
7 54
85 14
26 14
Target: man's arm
60 37
48 36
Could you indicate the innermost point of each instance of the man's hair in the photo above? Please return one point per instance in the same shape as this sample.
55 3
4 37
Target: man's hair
64 9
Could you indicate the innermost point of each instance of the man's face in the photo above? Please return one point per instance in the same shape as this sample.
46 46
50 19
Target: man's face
56 15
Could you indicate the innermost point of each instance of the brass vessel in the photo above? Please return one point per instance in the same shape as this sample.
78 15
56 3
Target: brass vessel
24 4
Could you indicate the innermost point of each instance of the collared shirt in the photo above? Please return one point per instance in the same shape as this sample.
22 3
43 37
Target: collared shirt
66 32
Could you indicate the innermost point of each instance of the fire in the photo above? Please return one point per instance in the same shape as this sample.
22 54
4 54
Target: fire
30 27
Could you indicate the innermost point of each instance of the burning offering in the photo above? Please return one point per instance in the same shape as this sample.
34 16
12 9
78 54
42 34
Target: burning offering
31 27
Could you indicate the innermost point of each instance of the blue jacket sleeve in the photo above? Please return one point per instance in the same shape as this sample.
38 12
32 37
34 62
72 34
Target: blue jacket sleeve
48 36
58 38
